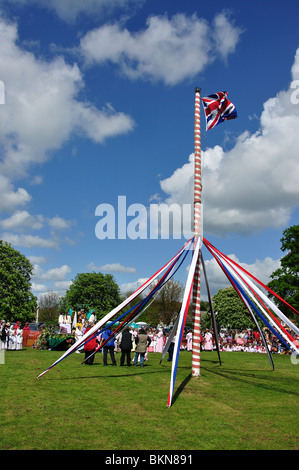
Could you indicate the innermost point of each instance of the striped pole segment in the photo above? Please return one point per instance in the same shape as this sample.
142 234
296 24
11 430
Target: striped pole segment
197 226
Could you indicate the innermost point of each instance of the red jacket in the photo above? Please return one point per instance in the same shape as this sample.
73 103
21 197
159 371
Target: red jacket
91 344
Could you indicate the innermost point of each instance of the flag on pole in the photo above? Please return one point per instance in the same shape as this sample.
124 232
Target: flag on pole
217 109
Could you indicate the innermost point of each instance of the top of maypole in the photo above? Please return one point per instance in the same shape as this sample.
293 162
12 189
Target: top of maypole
197 89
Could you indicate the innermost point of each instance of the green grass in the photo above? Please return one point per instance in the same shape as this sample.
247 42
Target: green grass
241 404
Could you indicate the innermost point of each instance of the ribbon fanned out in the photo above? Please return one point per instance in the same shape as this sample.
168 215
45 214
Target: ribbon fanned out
256 301
170 268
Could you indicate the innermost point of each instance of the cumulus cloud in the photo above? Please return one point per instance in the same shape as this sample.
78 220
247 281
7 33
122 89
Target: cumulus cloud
56 274
62 285
69 10
29 241
254 185
37 288
58 223
10 198
261 269
22 219
132 286
41 112
37 259
170 50
111 268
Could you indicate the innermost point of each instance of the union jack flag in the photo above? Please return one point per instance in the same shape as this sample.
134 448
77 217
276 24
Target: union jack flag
218 109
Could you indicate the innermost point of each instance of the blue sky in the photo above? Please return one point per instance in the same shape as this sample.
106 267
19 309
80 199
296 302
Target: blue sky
99 103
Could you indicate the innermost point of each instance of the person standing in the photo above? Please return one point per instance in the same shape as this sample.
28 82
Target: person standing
171 349
78 336
11 345
208 341
160 341
19 338
4 336
142 341
126 344
108 347
89 349
26 331
189 340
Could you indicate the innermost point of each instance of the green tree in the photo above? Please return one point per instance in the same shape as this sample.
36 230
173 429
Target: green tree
230 310
92 290
16 299
285 280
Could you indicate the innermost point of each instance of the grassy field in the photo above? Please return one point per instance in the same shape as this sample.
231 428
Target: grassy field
241 404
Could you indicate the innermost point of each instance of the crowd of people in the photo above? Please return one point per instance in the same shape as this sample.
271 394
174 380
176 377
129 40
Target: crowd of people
13 336
249 340
141 341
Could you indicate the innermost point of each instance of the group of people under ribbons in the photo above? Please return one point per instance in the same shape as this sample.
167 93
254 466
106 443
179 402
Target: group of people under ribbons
126 342
143 341
131 340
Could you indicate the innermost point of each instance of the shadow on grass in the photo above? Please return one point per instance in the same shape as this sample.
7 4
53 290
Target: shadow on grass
132 371
181 388
253 378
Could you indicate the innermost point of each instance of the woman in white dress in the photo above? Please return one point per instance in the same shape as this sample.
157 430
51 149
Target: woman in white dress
11 339
78 336
19 338
189 340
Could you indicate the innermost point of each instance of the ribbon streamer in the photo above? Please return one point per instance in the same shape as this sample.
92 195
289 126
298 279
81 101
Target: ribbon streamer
182 319
246 288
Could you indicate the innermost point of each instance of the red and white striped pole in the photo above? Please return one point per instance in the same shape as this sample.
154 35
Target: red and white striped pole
197 232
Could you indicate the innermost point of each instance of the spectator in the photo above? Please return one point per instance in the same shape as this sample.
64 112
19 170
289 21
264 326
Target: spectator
126 344
160 341
90 348
108 347
189 340
142 341
208 341
4 336
19 337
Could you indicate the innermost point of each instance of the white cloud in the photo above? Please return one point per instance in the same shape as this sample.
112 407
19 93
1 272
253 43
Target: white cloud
114 267
37 259
226 36
56 274
22 219
69 10
37 288
170 50
29 241
41 112
10 198
254 185
261 269
62 285
132 286
58 223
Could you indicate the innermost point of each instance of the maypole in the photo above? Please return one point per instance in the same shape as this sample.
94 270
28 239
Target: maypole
197 233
